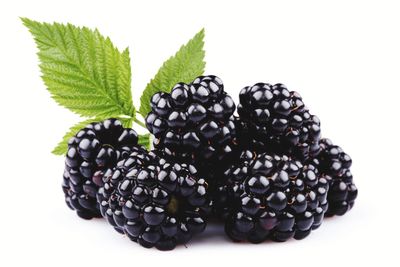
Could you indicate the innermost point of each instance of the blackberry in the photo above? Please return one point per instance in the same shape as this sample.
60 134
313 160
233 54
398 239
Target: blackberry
94 149
272 197
335 163
276 119
194 122
154 202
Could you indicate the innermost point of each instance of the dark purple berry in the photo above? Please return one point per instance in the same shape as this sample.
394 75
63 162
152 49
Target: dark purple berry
265 196
157 203
91 152
335 164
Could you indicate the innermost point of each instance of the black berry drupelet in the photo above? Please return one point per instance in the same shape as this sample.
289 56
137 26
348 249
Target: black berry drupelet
194 122
335 163
274 119
271 197
91 151
154 202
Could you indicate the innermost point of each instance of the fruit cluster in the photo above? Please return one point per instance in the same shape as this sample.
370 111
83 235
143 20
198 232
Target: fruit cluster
266 173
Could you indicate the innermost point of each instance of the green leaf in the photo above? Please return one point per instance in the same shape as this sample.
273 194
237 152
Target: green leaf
145 140
184 66
62 147
83 70
126 122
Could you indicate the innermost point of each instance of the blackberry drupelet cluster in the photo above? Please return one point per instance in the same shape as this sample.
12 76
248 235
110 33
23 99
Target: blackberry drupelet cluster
154 202
91 151
335 164
266 173
274 119
272 197
107 197
194 122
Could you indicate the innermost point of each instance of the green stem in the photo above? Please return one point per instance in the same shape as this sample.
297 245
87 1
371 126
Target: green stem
138 122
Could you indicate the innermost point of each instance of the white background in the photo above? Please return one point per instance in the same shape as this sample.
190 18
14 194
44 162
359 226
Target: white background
342 56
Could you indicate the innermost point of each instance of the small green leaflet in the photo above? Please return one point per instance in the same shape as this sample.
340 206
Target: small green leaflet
83 70
62 147
184 66
145 140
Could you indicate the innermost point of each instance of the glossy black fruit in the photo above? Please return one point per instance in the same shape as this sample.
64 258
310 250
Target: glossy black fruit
194 122
155 202
274 119
91 151
335 164
271 197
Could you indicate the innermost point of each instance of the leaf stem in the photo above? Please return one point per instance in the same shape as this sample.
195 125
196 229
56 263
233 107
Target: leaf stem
138 122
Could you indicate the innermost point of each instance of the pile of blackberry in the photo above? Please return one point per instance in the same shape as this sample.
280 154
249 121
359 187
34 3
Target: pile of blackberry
266 173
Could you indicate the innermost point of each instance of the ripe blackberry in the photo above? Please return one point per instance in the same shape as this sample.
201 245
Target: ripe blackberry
194 122
275 118
154 202
272 197
94 149
335 163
